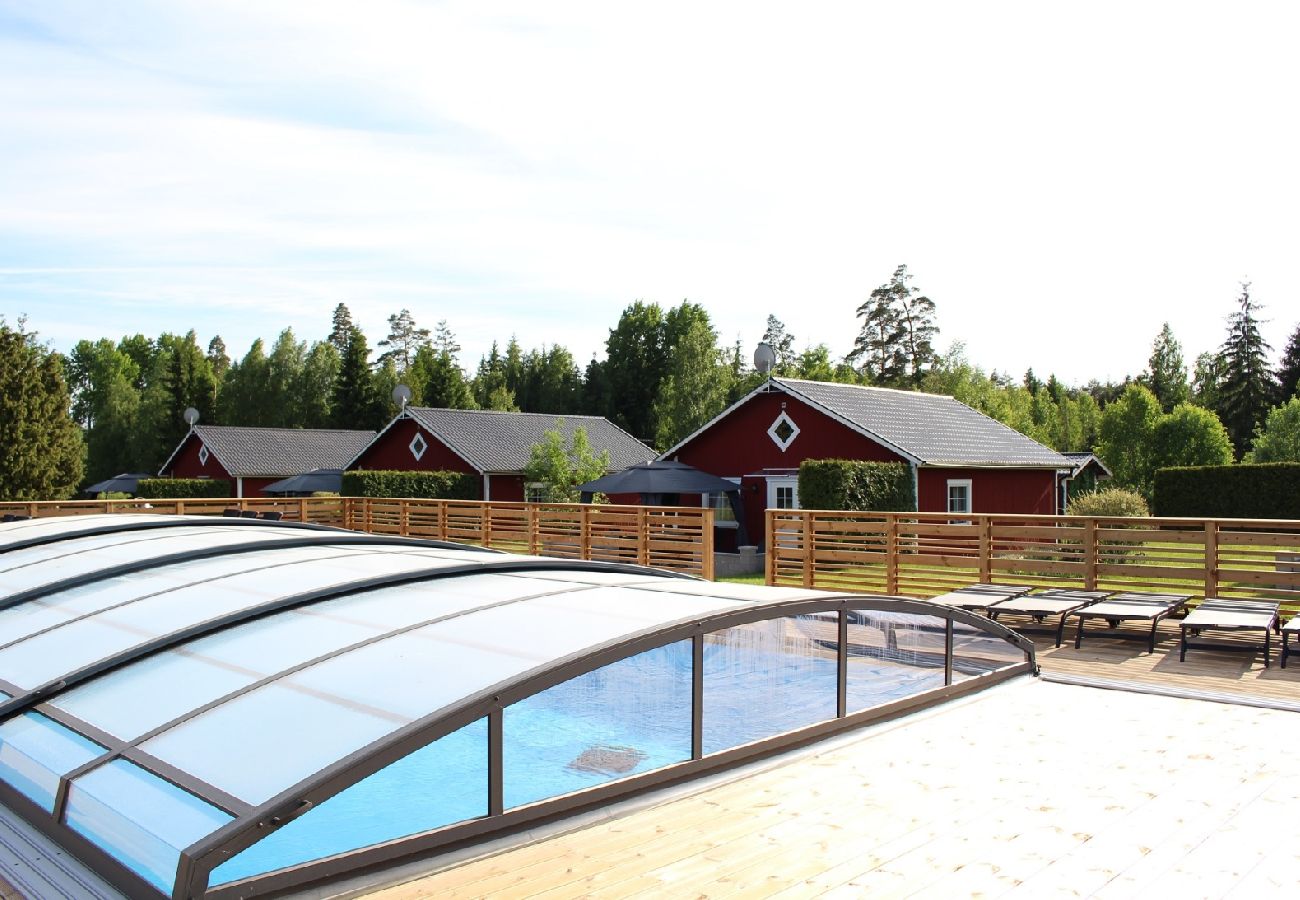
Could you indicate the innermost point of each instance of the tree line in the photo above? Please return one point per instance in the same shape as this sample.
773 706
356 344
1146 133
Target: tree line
116 406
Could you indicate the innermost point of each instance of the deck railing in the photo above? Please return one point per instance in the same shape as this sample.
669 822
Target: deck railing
923 554
667 537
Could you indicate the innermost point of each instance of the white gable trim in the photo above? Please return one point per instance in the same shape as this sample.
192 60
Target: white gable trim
425 429
771 385
212 452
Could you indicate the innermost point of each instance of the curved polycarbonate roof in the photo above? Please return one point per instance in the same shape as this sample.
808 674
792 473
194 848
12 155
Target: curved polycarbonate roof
177 690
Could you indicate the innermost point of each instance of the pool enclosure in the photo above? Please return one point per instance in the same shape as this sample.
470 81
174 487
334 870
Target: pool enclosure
211 707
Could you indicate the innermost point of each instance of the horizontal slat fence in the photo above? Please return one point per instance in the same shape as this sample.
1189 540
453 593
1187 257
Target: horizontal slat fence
923 554
667 537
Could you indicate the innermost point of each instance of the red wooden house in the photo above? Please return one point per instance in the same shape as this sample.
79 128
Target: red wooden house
252 458
493 445
962 461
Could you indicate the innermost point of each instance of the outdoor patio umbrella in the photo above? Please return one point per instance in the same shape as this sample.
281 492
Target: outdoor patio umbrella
118 484
313 482
652 480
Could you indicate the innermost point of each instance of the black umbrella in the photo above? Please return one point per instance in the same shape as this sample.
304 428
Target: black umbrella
659 478
119 484
317 481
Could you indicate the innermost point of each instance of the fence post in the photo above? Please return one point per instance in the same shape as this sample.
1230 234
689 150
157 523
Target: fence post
302 509
180 507
584 540
404 518
809 560
769 549
643 535
485 524
1090 555
986 549
707 544
891 553
534 537
1211 559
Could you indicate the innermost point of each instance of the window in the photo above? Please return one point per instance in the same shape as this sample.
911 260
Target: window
783 493
721 503
959 499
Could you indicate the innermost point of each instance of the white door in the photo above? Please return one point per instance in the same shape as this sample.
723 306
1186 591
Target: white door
783 493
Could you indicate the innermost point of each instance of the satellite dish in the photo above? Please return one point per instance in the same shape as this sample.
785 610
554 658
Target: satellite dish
764 358
402 395
191 416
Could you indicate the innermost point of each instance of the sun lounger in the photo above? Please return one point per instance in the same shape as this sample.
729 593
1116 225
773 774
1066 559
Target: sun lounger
1039 606
1215 614
1290 628
1130 607
978 597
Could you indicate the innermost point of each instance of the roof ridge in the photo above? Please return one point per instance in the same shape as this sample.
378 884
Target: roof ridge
866 387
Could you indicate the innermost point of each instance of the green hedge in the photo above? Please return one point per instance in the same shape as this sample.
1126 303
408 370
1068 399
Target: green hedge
182 488
858 485
1263 491
433 485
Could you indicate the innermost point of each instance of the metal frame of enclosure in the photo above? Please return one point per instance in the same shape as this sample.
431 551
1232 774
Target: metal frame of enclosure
565 620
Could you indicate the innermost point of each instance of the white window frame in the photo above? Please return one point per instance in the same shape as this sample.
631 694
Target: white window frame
970 496
785 481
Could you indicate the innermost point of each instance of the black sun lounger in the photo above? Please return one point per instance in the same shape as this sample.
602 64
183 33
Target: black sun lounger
1130 607
1055 602
977 597
1290 628
1214 614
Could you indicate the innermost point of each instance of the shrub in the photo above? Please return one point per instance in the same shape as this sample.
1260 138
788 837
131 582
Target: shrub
1109 502
181 488
434 485
856 485
1262 491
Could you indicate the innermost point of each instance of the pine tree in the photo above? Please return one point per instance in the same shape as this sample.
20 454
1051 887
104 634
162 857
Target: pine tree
1166 375
40 444
898 329
782 344
1247 388
404 339
1288 371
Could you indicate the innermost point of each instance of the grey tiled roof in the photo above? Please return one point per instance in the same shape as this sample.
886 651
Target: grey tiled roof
503 441
935 429
282 452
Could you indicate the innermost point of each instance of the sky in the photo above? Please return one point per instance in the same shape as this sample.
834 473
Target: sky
1059 179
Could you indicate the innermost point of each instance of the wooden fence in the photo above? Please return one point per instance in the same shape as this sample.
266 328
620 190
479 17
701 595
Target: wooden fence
668 537
923 554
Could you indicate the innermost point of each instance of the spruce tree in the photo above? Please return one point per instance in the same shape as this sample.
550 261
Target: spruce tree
1247 388
1288 371
1166 373
354 405
342 329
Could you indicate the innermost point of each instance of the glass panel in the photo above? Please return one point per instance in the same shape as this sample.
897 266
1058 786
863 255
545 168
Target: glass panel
140 819
442 783
47 656
191 676
300 724
765 679
892 656
976 653
35 752
619 720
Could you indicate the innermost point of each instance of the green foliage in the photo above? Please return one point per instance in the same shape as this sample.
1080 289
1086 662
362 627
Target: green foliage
1166 374
1247 388
1189 436
1278 440
636 359
182 488
855 484
1109 502
404 340
782 344
1264 491
355 402
439 485
491 384
40 445
697 380
561 469
1124 438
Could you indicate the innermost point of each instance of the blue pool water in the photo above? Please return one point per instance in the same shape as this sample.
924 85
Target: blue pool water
622 720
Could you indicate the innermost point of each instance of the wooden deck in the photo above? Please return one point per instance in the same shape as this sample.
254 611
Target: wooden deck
1205 671
1028 790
